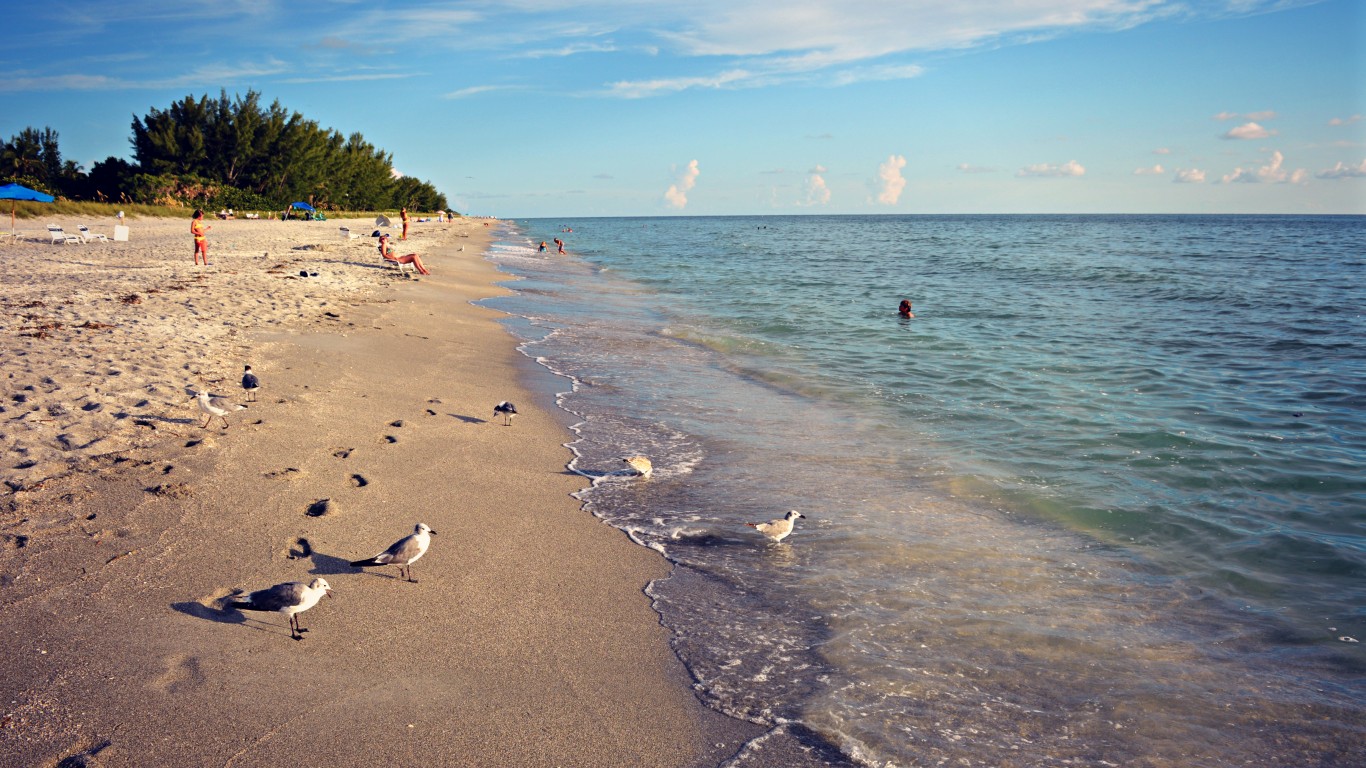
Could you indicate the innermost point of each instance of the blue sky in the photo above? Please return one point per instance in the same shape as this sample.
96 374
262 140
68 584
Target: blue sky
540 108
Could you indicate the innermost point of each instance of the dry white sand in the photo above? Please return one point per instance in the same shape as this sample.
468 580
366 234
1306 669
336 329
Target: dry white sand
123 523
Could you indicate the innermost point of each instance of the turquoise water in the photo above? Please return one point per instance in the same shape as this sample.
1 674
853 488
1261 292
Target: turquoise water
1100 501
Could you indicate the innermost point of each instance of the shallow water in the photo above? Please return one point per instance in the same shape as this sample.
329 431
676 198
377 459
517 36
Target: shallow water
1099 502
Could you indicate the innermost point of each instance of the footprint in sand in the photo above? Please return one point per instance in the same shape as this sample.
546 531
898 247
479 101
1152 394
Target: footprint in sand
390 439
343 453
300 548
359 481
181 674
398 423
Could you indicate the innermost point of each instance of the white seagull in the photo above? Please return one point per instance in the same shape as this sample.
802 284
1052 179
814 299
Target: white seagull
506 410
777 530
640 464
405 551
216 406
250 383
291 598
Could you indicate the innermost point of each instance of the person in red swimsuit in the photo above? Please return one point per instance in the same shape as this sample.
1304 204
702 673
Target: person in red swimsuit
387 252
201 239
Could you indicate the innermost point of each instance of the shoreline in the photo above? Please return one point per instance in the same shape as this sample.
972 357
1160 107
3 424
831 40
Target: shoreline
528 637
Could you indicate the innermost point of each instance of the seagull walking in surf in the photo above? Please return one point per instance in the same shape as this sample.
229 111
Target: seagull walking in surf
403 552
777 530
216 406
291 598
640 465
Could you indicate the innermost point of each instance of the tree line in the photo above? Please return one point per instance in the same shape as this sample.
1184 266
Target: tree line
224 153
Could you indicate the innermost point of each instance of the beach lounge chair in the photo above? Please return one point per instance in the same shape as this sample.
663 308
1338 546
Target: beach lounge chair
400 266
87 235
59 236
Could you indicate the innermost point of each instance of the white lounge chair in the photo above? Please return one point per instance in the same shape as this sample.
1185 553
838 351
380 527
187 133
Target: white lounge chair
400 266
87 235
59 236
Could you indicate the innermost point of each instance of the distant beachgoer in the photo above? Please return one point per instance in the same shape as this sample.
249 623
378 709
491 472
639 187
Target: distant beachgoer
403 213
201 239
386 251
542 248
905 309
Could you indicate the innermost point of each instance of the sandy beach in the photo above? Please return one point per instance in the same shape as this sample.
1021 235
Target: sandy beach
124 524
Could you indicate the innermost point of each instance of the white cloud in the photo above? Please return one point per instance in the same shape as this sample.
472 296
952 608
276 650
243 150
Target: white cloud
1046 170
889 180
1266 114
1162 151
1156 170
1344 171
1189 176
817 193
1345 120
1273 172
966 168
677 194
1249 131
395 173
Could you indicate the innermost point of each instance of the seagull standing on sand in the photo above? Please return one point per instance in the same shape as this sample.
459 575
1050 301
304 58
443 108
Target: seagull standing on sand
639 464
216 406
506 410
405 551
250 383
291 598
777 530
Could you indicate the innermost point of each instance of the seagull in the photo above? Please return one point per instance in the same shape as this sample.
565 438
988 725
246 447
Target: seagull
640 464
291 598
216 406
405 551
506 410
250 383
777 530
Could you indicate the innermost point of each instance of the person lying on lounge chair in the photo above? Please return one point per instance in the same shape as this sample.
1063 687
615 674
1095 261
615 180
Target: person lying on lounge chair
387 251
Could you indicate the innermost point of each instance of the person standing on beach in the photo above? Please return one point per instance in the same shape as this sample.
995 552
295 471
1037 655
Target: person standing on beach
201 238
403 214
560 243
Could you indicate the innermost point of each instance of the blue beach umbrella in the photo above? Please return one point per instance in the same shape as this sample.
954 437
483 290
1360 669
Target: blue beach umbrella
302 206
14 192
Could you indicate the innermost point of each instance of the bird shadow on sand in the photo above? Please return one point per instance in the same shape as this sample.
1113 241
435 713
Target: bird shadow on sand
329 565
219 615
469 419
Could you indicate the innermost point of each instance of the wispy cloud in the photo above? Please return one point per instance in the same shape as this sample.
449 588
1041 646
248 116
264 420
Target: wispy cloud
1344 171
1156 170
890 182
1273 172
475 90
1337 121
968 168
677 194
1070 168
1189 176
641 88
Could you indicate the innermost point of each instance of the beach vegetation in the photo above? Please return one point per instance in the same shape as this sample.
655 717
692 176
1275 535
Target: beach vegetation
224 153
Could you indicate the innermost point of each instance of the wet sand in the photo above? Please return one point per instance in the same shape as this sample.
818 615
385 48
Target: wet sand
124 524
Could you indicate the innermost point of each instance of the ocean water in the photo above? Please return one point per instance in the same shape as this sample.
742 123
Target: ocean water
1100 503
